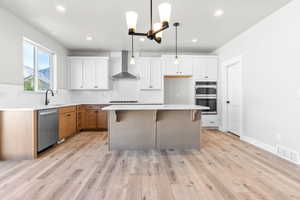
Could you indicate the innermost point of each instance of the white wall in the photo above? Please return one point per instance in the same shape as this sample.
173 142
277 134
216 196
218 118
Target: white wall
271 77
11 70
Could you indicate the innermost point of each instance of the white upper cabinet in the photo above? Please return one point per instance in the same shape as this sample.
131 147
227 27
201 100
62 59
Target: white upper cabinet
184 68
101 74
76 73
89 73
150 73
169 68
205 68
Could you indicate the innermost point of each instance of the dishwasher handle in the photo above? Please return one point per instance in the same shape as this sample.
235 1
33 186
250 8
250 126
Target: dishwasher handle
48 112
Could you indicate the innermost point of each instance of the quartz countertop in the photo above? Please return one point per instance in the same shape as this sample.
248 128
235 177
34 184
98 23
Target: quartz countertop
155 107
51 106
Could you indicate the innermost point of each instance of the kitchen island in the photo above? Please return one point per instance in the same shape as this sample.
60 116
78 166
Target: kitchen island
145 127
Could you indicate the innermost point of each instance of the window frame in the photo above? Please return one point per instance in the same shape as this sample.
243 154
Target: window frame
53 65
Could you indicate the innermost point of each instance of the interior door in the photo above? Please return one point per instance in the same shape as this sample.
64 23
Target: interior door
76 79
234 97
89 74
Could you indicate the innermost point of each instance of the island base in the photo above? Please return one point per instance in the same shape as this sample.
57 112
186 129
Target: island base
154 129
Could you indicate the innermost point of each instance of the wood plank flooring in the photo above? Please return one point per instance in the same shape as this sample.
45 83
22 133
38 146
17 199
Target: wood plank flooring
82 168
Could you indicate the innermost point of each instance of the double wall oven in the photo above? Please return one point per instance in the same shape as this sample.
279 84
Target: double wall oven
206 95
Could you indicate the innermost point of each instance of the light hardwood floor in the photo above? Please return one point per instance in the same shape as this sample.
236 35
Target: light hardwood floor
83 168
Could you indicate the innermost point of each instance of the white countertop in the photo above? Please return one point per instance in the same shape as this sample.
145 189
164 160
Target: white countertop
51 106
155 107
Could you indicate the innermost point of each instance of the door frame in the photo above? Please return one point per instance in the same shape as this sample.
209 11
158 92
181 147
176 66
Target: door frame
224 70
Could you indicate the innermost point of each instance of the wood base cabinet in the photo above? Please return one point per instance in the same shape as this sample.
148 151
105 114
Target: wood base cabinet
67 122
94 117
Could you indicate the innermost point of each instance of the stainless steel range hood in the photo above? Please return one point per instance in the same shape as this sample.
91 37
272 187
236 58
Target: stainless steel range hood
124 74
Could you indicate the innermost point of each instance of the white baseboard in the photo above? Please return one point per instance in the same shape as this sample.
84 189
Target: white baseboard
263 146
259 144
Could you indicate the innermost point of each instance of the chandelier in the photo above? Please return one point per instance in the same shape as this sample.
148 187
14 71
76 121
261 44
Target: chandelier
155 32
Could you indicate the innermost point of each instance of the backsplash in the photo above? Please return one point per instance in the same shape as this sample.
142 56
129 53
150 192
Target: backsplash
15 95
11 95
121 90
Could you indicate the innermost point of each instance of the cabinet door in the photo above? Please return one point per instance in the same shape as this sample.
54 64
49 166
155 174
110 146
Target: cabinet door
170 68
155 74
67 124
186 66
101 119
91 119
76 73
71 123
63 128
89 74
101 74
145 73
211 66
199 70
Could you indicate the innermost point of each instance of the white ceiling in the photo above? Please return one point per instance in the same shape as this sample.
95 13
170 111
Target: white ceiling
105 21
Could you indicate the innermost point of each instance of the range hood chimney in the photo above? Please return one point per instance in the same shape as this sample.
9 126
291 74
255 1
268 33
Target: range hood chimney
124 74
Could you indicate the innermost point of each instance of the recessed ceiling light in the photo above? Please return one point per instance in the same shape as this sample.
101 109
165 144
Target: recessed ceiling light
142 39
89 38
195 40
61 8
219 13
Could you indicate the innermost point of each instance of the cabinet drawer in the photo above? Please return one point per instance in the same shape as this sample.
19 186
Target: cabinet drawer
67 109
94 107
210 121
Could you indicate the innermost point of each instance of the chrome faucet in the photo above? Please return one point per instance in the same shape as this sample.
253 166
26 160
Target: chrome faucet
47 100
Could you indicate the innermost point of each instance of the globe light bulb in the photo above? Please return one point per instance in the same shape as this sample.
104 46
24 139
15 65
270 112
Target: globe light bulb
132 61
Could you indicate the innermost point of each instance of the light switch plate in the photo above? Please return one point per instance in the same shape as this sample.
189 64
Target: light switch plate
298 94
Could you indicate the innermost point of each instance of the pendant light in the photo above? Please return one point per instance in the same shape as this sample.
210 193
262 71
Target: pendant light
154 33
132 61
176 25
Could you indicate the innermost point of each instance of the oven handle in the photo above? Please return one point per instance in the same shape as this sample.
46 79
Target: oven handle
197 97
206 86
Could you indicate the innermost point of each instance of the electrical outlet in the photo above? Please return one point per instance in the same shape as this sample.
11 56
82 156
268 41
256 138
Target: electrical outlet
298 94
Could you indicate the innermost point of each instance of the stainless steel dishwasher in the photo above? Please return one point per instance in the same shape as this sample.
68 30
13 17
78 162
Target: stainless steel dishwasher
47 128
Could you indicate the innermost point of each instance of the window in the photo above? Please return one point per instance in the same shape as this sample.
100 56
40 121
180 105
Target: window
38 67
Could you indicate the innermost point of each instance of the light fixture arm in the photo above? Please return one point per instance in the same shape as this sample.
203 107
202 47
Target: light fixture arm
151 34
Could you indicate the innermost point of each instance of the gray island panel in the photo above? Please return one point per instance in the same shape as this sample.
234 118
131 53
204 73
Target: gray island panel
177 130
136 127
132 130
